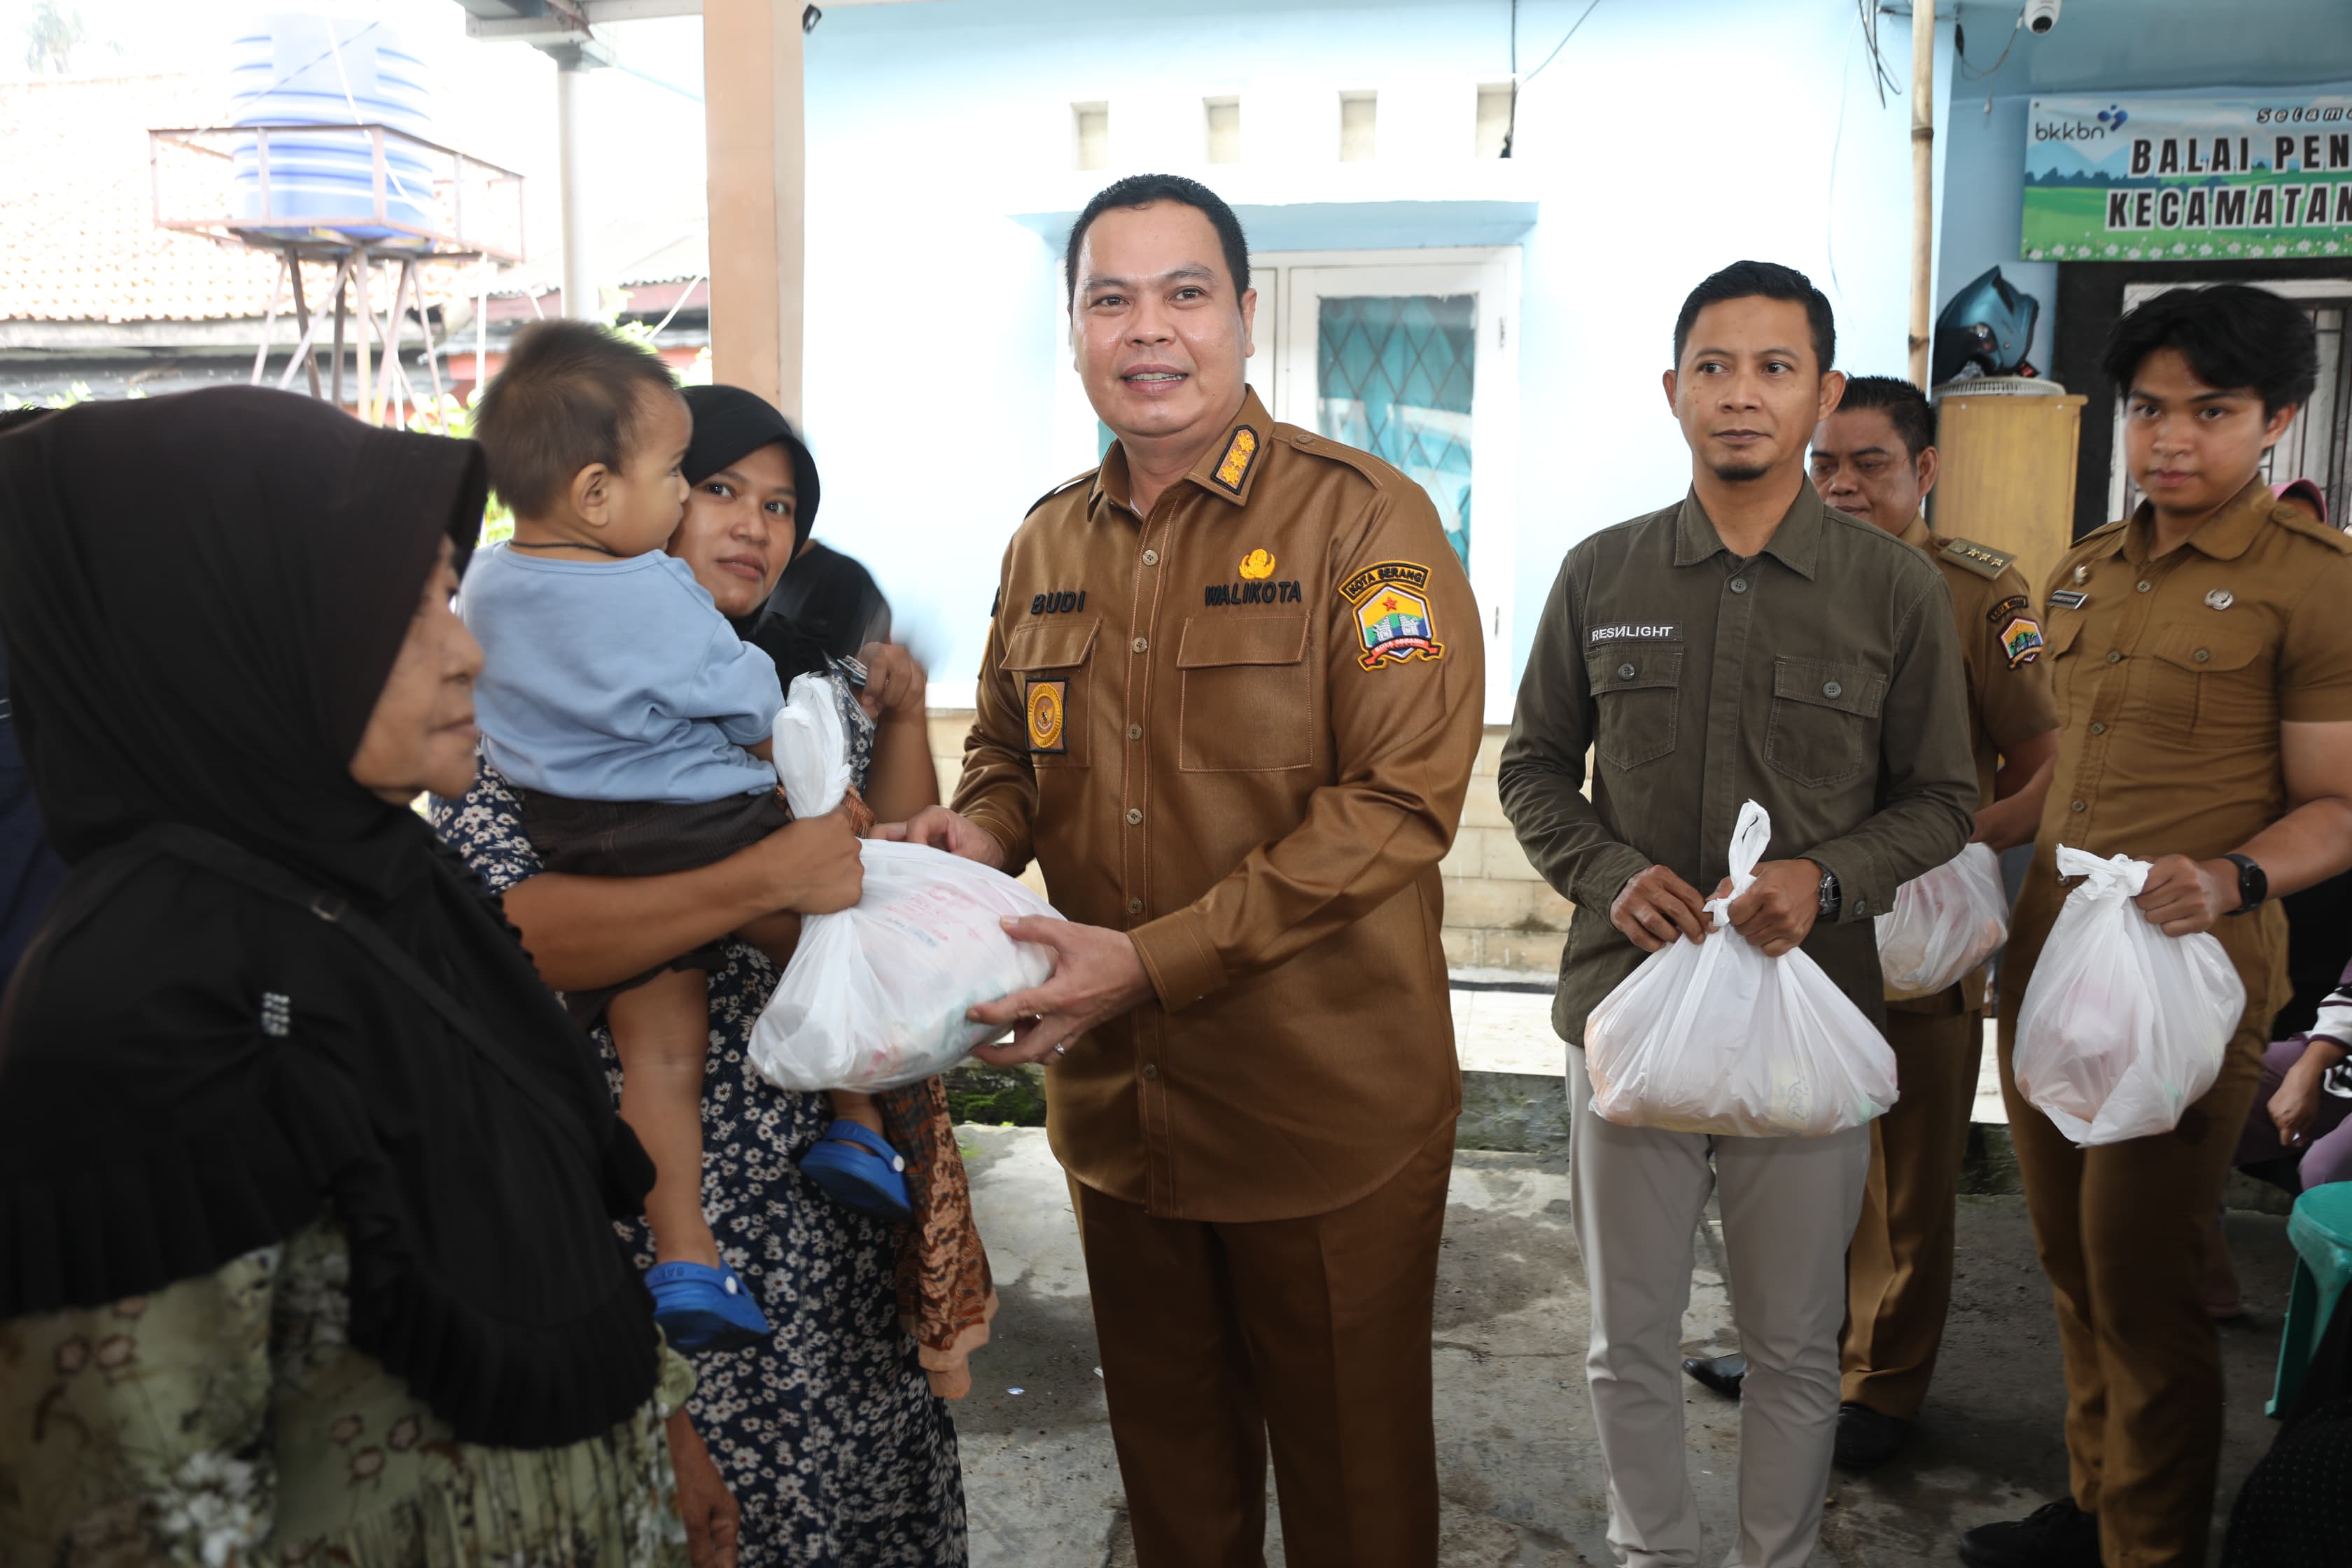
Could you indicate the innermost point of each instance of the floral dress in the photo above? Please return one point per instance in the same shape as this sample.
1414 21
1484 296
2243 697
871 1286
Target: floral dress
829 1435
226 1421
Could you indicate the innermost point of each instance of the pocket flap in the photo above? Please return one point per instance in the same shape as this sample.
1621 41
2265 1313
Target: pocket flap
1244 638
2197 649
2061 630
1838 686
1631 669
1050 644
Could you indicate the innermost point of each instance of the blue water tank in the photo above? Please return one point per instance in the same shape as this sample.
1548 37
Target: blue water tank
298 68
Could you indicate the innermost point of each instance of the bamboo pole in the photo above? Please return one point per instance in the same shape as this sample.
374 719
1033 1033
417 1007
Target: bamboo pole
1923 182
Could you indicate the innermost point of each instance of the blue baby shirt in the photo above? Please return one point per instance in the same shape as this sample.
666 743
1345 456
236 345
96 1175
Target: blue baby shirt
615 680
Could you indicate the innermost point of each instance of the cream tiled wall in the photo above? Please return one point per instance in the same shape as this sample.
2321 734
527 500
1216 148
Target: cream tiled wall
1501 918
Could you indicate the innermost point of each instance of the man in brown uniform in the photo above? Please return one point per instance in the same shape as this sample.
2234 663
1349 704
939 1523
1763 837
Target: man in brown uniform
1229 703
1874 459
2203 665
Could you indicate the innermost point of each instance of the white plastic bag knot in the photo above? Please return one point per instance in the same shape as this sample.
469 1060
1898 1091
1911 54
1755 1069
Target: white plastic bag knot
2116 877
1750 836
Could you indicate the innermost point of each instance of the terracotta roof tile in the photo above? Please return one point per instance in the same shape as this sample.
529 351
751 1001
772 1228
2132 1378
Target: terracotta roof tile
79 240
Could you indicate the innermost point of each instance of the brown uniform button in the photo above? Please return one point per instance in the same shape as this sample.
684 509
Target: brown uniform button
1135 731
2144 588
2114 657
2201 656
1134 814
2078 805
1150 1071
1143 644
1135 906
1151 558
2098 729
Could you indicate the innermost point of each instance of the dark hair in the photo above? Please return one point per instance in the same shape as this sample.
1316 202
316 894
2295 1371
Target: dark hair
2232 334
1142 191
1906 408
1762 281
569 396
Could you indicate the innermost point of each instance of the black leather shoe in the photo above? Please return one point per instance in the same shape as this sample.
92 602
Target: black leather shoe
1718 1373
1867 1439
2056 1535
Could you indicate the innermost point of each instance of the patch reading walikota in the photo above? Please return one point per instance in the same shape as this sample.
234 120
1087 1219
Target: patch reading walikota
1391 604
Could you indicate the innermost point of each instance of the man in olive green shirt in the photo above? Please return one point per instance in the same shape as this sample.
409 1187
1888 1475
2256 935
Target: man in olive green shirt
1749 643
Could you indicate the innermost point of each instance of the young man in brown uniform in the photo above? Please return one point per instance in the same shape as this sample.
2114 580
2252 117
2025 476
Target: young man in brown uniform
1229 703
1874 459
2203 665
1747 643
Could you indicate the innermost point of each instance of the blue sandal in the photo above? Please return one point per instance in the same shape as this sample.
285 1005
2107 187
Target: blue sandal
704 1308
858 1171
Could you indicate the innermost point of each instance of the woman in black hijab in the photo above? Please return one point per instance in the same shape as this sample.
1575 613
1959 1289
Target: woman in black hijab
835 1436
306 1183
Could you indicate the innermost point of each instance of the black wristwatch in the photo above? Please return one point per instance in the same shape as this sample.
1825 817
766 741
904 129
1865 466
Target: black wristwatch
2253 884
1830 894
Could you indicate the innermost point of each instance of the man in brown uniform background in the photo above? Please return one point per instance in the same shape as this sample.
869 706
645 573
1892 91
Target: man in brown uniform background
1874 457
1229 703
2203 667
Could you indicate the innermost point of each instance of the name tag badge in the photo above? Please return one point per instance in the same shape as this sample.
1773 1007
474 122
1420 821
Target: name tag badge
2069 599
1636 631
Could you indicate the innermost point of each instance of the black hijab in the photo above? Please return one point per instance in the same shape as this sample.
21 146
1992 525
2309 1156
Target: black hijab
730 424
202 596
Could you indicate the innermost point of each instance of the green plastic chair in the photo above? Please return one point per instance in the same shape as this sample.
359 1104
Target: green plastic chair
2321 1229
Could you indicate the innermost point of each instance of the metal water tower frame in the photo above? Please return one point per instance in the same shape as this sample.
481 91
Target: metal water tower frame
359 248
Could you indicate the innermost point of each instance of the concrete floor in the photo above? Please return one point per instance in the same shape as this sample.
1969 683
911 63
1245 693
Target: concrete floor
1518 1459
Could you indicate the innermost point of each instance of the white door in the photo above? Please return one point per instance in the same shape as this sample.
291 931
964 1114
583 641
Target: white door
1416 361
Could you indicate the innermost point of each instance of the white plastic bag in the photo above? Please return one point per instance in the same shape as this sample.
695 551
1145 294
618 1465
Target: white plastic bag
1714 1037
875 996
1945 922
2122 1025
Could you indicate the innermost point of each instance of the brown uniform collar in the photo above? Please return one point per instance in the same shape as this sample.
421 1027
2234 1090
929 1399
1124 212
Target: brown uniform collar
2224 536
1795 543
1918 535
1228 469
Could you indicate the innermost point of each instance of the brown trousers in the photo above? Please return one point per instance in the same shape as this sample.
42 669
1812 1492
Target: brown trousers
1899 1265
1311 1332
2122 1230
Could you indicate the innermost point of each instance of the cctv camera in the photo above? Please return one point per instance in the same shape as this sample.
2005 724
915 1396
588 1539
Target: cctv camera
2040 16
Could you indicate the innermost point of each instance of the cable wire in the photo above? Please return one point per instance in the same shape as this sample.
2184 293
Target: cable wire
1531 76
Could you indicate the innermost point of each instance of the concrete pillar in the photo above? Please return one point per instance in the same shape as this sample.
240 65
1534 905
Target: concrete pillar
572 111
752 106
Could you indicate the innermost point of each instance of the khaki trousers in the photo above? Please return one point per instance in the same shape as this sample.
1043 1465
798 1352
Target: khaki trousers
1636 1195
1313 1333
2122 1230
1899 1269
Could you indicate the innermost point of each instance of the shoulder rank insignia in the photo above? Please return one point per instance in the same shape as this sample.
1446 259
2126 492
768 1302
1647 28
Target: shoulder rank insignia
1046 702
1065 484
1239 454
1392 606
2021 640
1982 560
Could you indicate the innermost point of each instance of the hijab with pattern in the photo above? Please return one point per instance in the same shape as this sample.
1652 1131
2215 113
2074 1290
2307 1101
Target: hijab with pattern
202 596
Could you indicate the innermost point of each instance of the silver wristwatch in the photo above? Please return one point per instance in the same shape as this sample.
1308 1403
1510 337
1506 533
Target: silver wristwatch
1829 895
